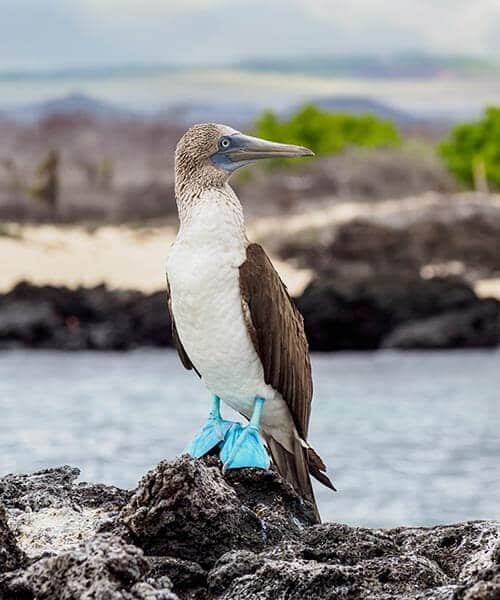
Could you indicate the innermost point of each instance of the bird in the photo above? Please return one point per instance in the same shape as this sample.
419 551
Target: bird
232 319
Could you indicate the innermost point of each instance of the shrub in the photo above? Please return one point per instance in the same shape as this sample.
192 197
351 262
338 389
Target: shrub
472 150
325 132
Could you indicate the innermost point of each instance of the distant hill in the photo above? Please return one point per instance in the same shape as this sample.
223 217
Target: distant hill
73 104
239 114
188 113
408 65
182 112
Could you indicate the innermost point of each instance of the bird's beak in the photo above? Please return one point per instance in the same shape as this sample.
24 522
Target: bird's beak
245 149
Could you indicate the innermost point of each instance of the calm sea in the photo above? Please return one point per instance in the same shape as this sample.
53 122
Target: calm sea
457 97
410 438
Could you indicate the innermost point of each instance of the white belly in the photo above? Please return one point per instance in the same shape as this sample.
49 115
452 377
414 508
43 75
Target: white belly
208 314
206 303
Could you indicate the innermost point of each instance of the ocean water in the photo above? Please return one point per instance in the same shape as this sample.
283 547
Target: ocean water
410 438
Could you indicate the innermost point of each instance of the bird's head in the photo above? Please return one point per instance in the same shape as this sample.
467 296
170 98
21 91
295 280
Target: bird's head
208 153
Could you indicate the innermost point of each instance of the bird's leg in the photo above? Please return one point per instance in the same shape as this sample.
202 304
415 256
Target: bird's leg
243 446
211 434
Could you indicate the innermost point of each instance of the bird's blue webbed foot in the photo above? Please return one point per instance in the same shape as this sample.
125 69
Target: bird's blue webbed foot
211 434
243 446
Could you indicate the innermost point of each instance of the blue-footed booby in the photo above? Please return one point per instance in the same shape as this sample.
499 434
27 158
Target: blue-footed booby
233 321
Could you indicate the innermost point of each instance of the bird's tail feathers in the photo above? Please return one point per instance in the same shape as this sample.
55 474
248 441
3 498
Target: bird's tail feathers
317 468
294 467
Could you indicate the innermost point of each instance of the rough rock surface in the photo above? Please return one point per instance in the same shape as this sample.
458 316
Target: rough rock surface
188 509
11 556
191 532
104 567
49 511
56 488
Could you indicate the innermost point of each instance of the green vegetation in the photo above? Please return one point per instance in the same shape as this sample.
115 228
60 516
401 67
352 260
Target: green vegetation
325 132
472 151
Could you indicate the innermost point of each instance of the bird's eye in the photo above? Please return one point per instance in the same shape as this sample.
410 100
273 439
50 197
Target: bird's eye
225 143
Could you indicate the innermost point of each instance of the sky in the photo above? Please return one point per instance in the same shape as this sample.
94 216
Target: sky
61 33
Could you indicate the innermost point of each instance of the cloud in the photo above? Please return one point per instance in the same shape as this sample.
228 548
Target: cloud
103 31
450 26
256 26
123 10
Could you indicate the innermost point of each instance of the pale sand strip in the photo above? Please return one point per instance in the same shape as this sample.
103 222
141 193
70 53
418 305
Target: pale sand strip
119 256
134 258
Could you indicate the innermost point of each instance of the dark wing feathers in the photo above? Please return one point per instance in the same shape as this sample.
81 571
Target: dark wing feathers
277 331
175 336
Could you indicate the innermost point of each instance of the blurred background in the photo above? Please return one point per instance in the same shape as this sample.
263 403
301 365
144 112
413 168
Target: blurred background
389 240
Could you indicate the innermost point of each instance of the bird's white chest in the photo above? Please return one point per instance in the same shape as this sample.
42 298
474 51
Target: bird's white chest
203 273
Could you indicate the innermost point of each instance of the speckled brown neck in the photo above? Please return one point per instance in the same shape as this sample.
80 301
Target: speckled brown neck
197 177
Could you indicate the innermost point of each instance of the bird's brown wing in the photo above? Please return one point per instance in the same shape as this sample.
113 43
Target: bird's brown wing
175 336
277 332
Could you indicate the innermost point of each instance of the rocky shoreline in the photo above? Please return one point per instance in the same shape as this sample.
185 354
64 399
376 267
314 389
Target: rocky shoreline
389 310
190 532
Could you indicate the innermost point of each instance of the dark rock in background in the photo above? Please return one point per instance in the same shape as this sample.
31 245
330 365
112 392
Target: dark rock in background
341 312
247 535
400 277
81 319
395 310
403 280
475 327
466 233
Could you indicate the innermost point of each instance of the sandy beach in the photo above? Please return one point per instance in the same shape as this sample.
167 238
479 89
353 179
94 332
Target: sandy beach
128 257
119 256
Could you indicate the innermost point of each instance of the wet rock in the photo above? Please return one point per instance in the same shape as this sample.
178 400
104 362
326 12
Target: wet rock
104 567
359 313
345 309
85 318
476 327
27 322
11 557
187 509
